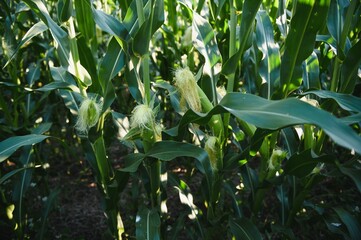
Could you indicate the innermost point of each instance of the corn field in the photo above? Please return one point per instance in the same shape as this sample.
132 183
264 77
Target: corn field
186 119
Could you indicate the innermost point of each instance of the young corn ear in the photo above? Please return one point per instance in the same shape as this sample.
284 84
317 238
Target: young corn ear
276 158
88 114
142 117
212 148
187 87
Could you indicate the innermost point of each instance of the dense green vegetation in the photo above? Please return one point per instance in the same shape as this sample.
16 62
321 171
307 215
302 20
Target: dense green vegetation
232 119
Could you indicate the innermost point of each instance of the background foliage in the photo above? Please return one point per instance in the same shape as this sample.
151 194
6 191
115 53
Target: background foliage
279 87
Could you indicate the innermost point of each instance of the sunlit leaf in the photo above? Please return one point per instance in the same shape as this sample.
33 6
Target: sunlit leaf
308 18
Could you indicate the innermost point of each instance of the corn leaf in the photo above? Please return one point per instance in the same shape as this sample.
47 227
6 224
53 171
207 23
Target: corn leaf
243 229
147 224
270 63
354 174
309 17
10 145
352 224
279 114
346 101
302 164
35 30
250 8
85 19
59 35
350 68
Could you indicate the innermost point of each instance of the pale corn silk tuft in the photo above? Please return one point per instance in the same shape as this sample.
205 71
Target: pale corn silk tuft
187 87
142 117
88 114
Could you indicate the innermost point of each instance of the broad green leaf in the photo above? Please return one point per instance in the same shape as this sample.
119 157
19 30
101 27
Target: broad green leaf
132 162
350 68
10 145
270 63
311 72
70 97
57 85
88 61
356 118
329 40
351 222
244 229
148 224
172 93
336 19
65 9
354 174
102 160
302 164
85 19
35 30
309 17
158 15
250 9
110 24
47 207
59 35
205 42
111 64
346 101
12 173
169 150
279 114
33 74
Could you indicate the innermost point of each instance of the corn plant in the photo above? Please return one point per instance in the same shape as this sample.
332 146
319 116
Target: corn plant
263 95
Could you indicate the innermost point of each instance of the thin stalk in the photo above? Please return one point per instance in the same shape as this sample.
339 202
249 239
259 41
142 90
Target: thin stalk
232 51
146 78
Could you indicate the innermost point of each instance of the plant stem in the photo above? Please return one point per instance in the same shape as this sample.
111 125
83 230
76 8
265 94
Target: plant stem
232 51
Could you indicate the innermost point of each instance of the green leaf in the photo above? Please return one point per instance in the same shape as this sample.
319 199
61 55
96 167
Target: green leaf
169 150
35 30
279 114
148 224
352 224
58 85
12 173
312 72
302 164
112 63
10 145
48 206
132 162
205 42
309 17
59 35
243 229
65 9
346 101
110 24
85 19
350 68
354 174
61 75
249 11
270 63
